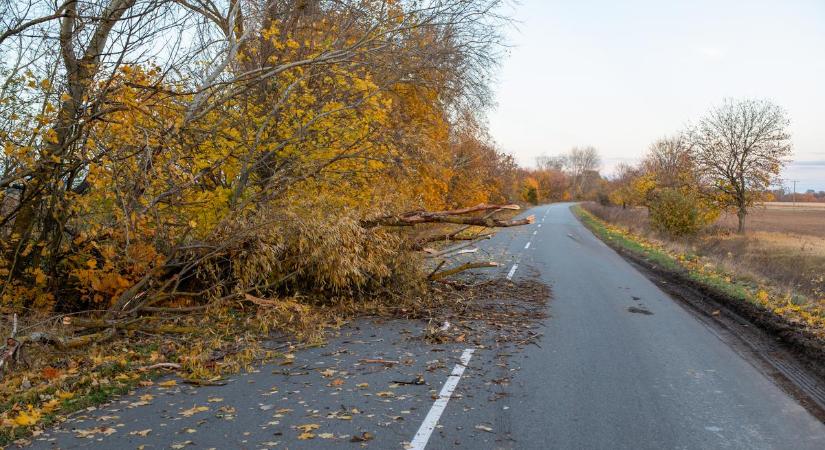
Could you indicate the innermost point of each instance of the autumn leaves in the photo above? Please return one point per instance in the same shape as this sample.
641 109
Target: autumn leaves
243 163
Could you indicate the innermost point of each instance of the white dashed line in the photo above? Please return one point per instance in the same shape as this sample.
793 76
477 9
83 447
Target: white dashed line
539 225
427 427
535 232
512 271
527 246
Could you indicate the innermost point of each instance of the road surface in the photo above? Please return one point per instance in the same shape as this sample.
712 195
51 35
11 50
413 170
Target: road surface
602 377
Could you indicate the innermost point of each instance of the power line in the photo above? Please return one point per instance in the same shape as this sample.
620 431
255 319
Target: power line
794 191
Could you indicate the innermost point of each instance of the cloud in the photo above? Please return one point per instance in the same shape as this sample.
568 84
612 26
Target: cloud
711 52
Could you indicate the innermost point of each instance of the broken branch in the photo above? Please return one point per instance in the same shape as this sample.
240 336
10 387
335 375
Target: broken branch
462 268
489 222
452 216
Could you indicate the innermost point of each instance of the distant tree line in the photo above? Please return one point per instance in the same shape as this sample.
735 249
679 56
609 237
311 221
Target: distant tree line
570 176
787 195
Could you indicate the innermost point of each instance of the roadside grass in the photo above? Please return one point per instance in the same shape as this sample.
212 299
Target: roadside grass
806 312
33 409
781 249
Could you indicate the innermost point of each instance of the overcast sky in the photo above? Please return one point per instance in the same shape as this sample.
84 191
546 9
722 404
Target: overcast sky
619 74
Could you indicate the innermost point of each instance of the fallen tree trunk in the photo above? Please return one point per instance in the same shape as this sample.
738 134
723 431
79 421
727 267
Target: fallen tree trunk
62 343
447 237
452 217
456 220
135 324
476 265
468 210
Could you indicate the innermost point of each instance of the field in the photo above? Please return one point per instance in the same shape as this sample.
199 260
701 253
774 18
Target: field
803 219
783 246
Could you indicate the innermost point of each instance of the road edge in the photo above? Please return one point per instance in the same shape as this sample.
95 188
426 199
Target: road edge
778 348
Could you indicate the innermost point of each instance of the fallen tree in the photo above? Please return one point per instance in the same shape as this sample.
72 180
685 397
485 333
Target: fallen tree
452 217
144 305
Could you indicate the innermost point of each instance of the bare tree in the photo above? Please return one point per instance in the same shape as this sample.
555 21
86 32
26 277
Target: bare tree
670 161
581 163
544 162
740 147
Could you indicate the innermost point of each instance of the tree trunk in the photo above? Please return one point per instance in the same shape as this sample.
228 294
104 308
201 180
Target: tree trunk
741 214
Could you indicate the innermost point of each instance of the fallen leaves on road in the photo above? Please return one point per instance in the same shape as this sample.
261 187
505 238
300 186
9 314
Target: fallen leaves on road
363 437
308 427
194 410
92 432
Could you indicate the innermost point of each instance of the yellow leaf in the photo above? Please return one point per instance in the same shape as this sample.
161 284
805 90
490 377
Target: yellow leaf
308 427
51 405
169 383
194 410
27 418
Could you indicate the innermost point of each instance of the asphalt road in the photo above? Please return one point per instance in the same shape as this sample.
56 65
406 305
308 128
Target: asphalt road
602 377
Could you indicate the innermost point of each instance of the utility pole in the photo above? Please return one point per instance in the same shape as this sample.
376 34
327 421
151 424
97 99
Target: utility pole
794 191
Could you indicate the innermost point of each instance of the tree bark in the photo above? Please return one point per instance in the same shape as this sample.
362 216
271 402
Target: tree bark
741 215
417 217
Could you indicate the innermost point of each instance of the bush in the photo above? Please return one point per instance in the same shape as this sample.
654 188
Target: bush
679 213
604 199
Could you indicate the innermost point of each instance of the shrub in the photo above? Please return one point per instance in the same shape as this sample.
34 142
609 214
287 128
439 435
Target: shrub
679 213
603 198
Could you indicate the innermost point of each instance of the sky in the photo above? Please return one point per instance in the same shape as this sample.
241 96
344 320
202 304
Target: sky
620 74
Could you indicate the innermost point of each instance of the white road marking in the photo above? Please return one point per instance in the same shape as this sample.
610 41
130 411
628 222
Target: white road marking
512 271
535 232
427 427
539 225
527 246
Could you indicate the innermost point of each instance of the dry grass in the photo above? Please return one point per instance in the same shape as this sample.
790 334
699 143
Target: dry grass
783 247
803 220
816 206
